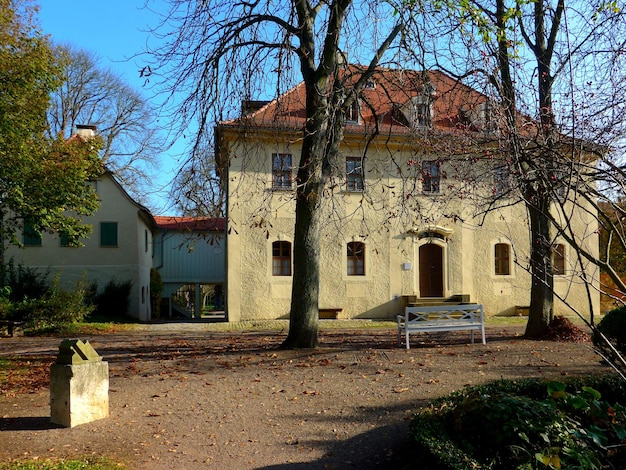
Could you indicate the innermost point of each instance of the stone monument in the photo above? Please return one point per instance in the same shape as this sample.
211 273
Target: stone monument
79 385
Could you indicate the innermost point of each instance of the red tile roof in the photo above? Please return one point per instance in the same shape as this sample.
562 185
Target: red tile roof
379 104
189 224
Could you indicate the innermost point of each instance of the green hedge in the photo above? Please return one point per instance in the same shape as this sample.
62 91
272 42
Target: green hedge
524 424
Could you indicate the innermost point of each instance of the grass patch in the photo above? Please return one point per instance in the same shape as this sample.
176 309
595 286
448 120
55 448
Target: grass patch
93 328
82 329
73 464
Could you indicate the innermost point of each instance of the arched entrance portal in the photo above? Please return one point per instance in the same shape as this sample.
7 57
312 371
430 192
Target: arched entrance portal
431 270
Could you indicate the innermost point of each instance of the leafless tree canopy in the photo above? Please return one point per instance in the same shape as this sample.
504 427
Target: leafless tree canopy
92 95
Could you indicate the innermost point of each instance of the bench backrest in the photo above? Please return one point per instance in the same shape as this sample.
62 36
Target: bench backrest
467 312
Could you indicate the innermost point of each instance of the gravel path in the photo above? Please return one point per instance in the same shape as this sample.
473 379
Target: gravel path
189 398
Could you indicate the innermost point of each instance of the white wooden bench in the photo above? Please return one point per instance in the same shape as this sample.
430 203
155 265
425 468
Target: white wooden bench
441 318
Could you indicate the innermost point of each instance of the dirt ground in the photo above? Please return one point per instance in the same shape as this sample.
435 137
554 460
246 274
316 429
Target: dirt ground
184 398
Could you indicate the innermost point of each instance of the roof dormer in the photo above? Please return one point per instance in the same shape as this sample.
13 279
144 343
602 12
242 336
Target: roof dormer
479 117
418 112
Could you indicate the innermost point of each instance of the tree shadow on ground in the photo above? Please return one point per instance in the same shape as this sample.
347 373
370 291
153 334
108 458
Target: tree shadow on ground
387 446
27 423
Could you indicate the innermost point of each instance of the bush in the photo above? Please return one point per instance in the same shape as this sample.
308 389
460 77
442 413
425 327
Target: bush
6 308
6 305
500 426
53 310
114 300
613 326
25 282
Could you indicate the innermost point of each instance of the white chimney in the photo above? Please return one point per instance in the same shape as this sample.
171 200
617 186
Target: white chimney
85 131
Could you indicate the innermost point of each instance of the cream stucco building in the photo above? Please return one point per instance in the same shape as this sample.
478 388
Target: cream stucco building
405 211
120 248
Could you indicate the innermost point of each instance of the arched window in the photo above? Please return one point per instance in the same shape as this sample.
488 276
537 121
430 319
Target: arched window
503 259
356 259
558 259
281 258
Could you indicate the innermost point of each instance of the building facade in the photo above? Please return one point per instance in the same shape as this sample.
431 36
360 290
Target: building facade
189 253
417 208
119 248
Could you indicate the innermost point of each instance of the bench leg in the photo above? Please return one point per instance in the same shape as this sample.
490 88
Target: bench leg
472 336
408 344
482 330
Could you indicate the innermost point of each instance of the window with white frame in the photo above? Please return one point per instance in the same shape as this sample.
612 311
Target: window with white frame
356 258
558 259
281 170
431 179
501 180
353 113
502 257
422 115
561 183
281 258
354 174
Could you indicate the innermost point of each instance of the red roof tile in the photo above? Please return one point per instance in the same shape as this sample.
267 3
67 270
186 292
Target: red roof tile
188 224
380 104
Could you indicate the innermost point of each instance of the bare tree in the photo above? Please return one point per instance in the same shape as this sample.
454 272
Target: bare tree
197 190
218 52
555 119
124 119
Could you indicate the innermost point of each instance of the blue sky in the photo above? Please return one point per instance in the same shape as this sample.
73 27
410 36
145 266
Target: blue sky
115 31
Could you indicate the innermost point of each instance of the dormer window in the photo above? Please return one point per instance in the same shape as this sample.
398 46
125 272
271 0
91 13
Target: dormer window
422 115
354 111
417 112
479 117
370 84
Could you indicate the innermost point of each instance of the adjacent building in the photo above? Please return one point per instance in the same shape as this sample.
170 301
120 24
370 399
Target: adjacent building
189 253
120 247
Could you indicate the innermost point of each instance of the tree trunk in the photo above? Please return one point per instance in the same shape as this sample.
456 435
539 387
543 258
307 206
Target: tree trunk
310 182
303 316
538 194
541 293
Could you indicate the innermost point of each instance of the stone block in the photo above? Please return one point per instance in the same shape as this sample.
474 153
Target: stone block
79 385
75 351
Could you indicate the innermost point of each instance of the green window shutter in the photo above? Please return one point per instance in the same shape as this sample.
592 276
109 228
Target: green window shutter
108 233
64 239
31 236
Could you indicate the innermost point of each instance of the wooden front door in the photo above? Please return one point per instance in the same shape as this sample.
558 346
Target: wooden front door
431 270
